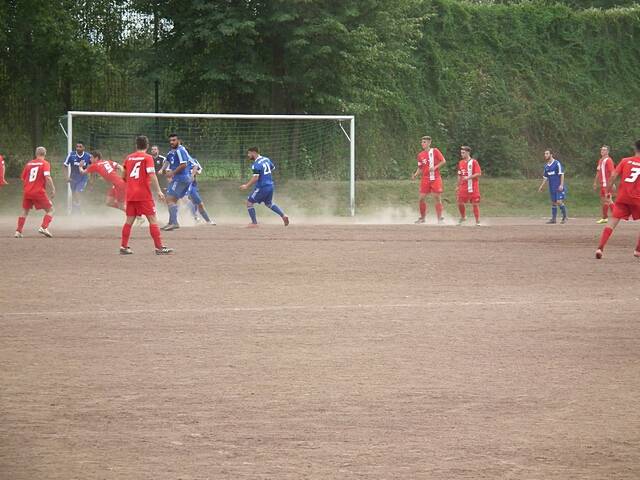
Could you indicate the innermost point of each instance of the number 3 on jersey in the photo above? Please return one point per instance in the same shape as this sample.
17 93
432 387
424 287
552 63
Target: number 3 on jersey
633 175
33 174
135 171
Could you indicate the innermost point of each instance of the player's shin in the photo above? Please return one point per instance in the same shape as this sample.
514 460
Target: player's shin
476 211
154 230
605 210
462 210
46 221
277 209
252 213
423 208
604 238
126 233
563 209
439 210
554 212
173 214
21 222
204 213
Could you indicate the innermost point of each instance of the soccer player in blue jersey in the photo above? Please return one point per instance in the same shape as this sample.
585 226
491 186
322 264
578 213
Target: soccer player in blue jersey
262 169
554 175
77 181
179 176
194 193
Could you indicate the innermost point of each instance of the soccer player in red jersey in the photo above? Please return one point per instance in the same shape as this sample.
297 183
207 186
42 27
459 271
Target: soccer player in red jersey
429 162
35 178
139 173
468 184
112 173
2 180
603 179
627 202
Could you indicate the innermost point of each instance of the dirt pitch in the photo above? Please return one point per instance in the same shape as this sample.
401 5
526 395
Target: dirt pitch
319 351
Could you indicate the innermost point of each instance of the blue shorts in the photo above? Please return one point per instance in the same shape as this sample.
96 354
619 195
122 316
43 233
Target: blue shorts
178 188
558 196
78 184
262 195
194 194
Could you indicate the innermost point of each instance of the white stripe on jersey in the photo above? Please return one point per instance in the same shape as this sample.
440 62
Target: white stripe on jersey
469 173
603 171
432 171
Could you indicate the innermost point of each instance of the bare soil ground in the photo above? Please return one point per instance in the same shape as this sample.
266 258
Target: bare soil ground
320 351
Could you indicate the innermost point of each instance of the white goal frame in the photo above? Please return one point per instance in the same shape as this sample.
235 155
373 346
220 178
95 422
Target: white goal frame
351 135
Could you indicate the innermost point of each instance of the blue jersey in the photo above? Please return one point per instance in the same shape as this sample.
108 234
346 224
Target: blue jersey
263 167
177 157
73 160
552 172
194 163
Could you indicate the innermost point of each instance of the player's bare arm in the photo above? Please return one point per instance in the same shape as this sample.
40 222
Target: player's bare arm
156 186
416 174
436 167
52 187
544 182
561 186
250 183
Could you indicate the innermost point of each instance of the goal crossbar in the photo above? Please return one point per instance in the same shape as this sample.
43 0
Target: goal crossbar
350 136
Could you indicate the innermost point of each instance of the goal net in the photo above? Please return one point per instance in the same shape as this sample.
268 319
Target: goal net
304 147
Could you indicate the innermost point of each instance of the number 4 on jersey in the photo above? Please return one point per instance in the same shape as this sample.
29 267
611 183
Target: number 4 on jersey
135 171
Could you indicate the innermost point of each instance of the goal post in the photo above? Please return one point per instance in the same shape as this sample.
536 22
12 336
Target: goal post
321 147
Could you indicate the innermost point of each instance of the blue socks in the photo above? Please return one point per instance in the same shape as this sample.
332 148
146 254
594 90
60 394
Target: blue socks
204 214
173 214
252 214
563 209
276 209
554 212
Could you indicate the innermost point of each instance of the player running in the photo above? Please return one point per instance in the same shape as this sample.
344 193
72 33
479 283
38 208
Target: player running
468 190
139 172
76 180
627 202
36 176
179 177
554 174
194 193
112 174
429 162
262 169
603 179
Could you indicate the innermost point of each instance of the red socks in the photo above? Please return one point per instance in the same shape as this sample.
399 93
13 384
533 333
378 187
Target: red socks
423 209
638 245
476 211
154 230
462 210
20 226
46 220
605 211
126 233
606 233
439 210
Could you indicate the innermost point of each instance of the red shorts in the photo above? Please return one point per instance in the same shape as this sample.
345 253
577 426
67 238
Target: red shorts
430 186
139 208
41 202
626 210
118 194
465 197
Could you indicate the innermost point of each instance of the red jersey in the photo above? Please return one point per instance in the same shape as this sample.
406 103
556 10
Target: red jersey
427 160
33 178
108 170
605 169
629 171
138 168
465 169
2 181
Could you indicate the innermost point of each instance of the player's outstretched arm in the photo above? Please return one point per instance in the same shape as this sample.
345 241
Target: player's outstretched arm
250 183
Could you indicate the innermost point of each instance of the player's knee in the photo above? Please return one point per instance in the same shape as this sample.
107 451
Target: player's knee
250 205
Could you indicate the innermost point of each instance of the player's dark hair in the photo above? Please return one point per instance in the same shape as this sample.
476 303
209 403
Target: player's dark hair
465 148
253 149
637 145
171 135
549 150
142 142
80 143
97 154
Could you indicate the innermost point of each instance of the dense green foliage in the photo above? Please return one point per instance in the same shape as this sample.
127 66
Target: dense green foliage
508 78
